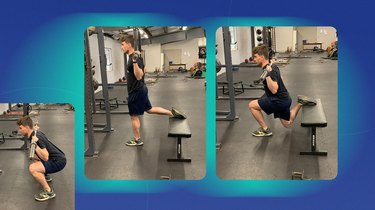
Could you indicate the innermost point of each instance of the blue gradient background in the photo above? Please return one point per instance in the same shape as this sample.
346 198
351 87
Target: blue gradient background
42 61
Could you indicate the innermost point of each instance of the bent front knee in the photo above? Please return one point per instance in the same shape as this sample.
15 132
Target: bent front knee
32 169
252 105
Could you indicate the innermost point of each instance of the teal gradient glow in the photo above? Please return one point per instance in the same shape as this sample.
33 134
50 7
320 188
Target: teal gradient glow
54 52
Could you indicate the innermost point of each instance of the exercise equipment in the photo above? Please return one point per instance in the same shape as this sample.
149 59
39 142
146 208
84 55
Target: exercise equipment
242 65
32 148
95 84
26 109
136 55
313 117
33 144
113 102
293 55
218 65
179 128
160 74
107 126
44 107
238 87
14 136
231 114
5 137
299 175
91 151
169 177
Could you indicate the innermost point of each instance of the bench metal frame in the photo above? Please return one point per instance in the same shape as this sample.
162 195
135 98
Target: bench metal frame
313 150
313 126
179 135
179 153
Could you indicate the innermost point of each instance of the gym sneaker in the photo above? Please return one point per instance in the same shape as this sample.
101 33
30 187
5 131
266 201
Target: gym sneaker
177 114
306 101
43 195
48 177
261 132
134 142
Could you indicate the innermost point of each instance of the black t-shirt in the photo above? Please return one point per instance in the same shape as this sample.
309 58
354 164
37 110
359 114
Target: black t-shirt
282 92
133 83
54 152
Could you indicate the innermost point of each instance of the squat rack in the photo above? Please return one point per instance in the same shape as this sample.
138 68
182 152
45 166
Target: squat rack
90 108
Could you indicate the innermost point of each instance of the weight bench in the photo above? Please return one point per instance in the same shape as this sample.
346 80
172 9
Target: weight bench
13 137
179 128
313 117
238 87
113 103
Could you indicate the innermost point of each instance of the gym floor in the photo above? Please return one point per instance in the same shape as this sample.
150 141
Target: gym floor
116 161
243 156
17 186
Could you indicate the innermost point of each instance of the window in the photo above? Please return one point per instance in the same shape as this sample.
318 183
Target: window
233 38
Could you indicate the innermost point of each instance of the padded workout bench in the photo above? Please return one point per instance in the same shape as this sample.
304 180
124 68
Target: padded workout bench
179 128
313 117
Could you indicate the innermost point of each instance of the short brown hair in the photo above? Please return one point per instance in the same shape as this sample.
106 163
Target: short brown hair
127 39
25 121
262 50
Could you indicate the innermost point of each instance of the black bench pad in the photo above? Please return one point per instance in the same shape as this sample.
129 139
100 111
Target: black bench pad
313 116
179 128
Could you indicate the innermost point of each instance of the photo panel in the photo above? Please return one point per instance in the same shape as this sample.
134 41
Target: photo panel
145 103
276 103
37 155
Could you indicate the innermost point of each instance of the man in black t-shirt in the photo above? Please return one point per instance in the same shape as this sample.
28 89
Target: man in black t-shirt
138 101
47 158
276 99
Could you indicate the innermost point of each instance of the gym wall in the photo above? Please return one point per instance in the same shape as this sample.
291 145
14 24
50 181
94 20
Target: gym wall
189 51
219 47
244 49
117 59
326 35
152 57
243 45
305 33
3 108
284 38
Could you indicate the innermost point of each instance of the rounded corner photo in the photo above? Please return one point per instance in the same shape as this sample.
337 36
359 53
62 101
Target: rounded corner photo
37 152
277 110
145 103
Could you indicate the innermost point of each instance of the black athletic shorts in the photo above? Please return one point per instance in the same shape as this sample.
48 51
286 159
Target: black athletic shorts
54 165
280 108
138 102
